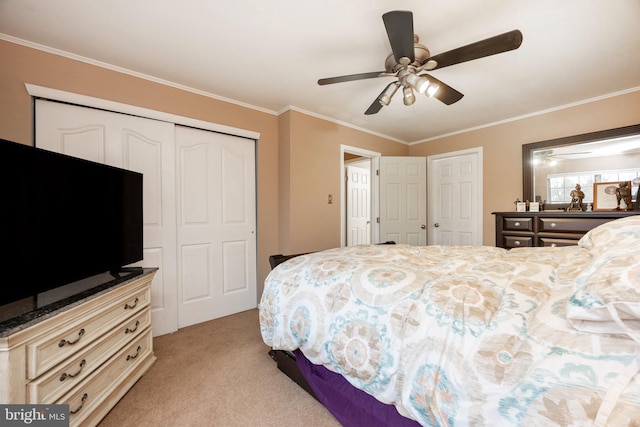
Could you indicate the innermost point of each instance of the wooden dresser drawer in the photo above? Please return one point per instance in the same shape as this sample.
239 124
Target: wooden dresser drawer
84 399
570 225
517 241
52 349
518 224
553 242
59 380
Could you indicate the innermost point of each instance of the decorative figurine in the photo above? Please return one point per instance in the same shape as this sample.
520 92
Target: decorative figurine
576 199
623 194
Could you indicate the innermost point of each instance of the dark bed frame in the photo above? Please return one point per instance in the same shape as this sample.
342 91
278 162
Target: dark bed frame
286 360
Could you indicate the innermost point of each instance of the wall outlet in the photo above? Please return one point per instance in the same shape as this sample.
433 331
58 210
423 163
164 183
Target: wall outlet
330 200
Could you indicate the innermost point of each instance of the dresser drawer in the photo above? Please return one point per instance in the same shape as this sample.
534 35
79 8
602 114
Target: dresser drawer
517 241
74 336
553 242
518 224
61 379
95 389
570 225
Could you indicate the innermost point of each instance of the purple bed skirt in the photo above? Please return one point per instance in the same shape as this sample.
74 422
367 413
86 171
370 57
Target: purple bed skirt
351 407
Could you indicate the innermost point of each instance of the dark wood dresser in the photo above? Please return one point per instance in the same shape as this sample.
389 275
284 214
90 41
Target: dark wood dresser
548 228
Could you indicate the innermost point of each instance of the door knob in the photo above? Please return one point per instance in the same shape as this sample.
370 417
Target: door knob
436 225
424 227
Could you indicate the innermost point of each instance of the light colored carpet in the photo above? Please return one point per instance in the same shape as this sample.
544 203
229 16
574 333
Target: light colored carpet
217 373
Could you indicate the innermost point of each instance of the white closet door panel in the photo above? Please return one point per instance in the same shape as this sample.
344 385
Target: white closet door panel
216 225
76 131
135 143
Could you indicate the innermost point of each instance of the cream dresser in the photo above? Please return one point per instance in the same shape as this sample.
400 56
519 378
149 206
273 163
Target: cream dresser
86 352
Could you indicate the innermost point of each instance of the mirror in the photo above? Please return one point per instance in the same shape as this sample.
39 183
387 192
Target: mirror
551 169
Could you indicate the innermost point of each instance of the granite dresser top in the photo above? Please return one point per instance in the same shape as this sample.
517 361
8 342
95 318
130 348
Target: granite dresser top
19 315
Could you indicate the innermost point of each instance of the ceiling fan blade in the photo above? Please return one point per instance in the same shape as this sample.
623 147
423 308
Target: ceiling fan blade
445 93
350 77
399 25
374 107
487 47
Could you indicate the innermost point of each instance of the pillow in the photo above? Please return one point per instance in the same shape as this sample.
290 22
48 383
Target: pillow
619 233
606 297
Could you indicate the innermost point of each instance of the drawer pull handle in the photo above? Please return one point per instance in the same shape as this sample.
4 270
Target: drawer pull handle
553 225
62 343
84 399
135 328
517 243
129 307
130 357
517 224
64 376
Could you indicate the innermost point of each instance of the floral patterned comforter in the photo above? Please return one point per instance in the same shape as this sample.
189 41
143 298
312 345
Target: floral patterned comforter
456 335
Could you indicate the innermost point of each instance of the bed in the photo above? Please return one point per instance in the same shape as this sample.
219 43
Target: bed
462 335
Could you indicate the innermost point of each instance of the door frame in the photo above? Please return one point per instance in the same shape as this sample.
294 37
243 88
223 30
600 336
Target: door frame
431 179
118 107
375 179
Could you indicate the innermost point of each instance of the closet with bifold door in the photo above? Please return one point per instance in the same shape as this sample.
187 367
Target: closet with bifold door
199 204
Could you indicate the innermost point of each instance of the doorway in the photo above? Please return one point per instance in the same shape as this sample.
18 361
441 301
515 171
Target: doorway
350 154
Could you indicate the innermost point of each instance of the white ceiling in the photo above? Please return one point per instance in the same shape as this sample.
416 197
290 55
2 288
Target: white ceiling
269 54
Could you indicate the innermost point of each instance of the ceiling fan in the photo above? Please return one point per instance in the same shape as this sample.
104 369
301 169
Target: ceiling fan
409 59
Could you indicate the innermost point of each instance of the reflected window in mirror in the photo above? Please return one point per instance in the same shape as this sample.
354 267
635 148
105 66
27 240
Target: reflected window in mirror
551 169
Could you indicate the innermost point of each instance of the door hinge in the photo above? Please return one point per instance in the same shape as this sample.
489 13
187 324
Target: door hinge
378 219
378 172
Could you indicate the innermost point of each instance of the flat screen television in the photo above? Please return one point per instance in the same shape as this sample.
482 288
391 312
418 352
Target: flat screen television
63 219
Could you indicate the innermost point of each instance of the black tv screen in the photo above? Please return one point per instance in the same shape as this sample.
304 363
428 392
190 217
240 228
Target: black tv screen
63 219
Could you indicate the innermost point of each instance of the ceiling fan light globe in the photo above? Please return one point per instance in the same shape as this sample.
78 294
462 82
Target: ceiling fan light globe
421 85
387 94
432 90
408 97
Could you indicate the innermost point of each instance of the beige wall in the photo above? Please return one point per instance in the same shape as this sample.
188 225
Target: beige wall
502 146
312 150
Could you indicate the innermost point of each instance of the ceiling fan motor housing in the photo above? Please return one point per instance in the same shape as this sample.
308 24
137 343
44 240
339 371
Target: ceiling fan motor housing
421 54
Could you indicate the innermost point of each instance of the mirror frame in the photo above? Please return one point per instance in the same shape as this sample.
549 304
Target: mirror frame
528 149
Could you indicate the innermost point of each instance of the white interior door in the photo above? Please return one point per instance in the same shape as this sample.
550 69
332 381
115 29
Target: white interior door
455 198
138 144
403 200
216 225
358 205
